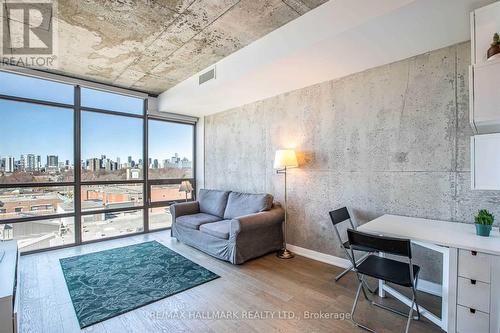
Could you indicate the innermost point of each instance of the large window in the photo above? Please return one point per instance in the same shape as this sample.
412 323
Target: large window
170 150
79 164
170 163
111 147
36 144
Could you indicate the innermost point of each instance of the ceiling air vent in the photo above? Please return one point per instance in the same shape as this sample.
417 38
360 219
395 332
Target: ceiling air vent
207 76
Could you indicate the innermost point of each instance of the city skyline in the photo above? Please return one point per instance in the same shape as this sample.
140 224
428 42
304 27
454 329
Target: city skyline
43 130
34 162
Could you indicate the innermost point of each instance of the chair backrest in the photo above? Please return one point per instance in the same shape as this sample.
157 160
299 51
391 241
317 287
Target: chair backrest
363 241
340 215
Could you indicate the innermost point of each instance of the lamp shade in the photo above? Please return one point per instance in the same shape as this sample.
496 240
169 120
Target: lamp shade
185 186
285 158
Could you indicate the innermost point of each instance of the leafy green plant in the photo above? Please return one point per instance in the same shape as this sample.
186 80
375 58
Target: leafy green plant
484 217
496 39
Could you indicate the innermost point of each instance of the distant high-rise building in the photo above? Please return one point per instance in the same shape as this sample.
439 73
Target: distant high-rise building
93 164
22 163
9 164
185 163
155 164
175 161
38 162
118 162
129 160
52 162
107 164
30 163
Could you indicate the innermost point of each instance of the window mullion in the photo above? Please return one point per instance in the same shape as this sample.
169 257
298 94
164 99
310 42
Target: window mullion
77 168
145 167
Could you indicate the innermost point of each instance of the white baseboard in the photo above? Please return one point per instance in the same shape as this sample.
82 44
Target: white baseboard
423 285
318 256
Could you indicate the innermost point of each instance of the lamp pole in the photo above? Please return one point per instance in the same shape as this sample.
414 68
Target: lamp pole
284 253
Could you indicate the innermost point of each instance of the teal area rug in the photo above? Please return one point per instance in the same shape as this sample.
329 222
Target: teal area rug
108 283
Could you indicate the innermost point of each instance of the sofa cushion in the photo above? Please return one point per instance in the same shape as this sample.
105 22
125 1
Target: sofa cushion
240 204
213 202
217 229
194 221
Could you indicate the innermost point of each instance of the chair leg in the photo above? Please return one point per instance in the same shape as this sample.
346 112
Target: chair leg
410 314
414 289
355 300
347 270
360 287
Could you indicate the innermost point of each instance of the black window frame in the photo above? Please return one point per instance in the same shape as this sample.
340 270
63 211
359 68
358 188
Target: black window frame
77 182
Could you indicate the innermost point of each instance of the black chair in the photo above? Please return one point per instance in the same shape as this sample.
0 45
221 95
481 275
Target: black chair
338 216
397 272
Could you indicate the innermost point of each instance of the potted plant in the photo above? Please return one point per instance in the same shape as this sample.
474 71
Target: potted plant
484 220
495 46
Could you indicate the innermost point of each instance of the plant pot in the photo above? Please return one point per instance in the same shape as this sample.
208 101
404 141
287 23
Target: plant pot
483 230
493 50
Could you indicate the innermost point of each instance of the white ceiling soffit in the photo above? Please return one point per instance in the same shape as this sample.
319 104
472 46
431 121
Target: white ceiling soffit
336 39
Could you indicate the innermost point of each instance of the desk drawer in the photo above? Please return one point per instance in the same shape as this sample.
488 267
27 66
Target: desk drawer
474 265
472 321
474 294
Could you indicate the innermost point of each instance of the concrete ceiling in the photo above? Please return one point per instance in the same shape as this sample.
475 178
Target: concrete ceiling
151 45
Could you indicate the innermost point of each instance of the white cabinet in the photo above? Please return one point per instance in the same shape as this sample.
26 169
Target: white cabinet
484 75
485 150
484 92
485 97
478 303
484 23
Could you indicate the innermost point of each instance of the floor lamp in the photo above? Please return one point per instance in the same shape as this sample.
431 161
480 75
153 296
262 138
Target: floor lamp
284 160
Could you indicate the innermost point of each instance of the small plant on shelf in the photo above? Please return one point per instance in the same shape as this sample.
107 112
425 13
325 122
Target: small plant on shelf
484 220
495 46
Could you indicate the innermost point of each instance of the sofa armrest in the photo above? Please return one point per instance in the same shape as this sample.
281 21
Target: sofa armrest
184 208
258 220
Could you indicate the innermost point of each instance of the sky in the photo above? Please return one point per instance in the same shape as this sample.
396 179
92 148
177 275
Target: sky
42 130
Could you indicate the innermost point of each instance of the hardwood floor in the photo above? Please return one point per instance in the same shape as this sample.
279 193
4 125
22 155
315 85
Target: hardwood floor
263 295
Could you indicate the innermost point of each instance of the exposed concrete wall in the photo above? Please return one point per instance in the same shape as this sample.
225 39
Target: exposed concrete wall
394 139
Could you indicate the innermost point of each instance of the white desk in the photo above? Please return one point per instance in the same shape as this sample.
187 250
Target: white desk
471 270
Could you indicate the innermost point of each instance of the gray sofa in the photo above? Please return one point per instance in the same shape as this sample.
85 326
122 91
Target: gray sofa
231 226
